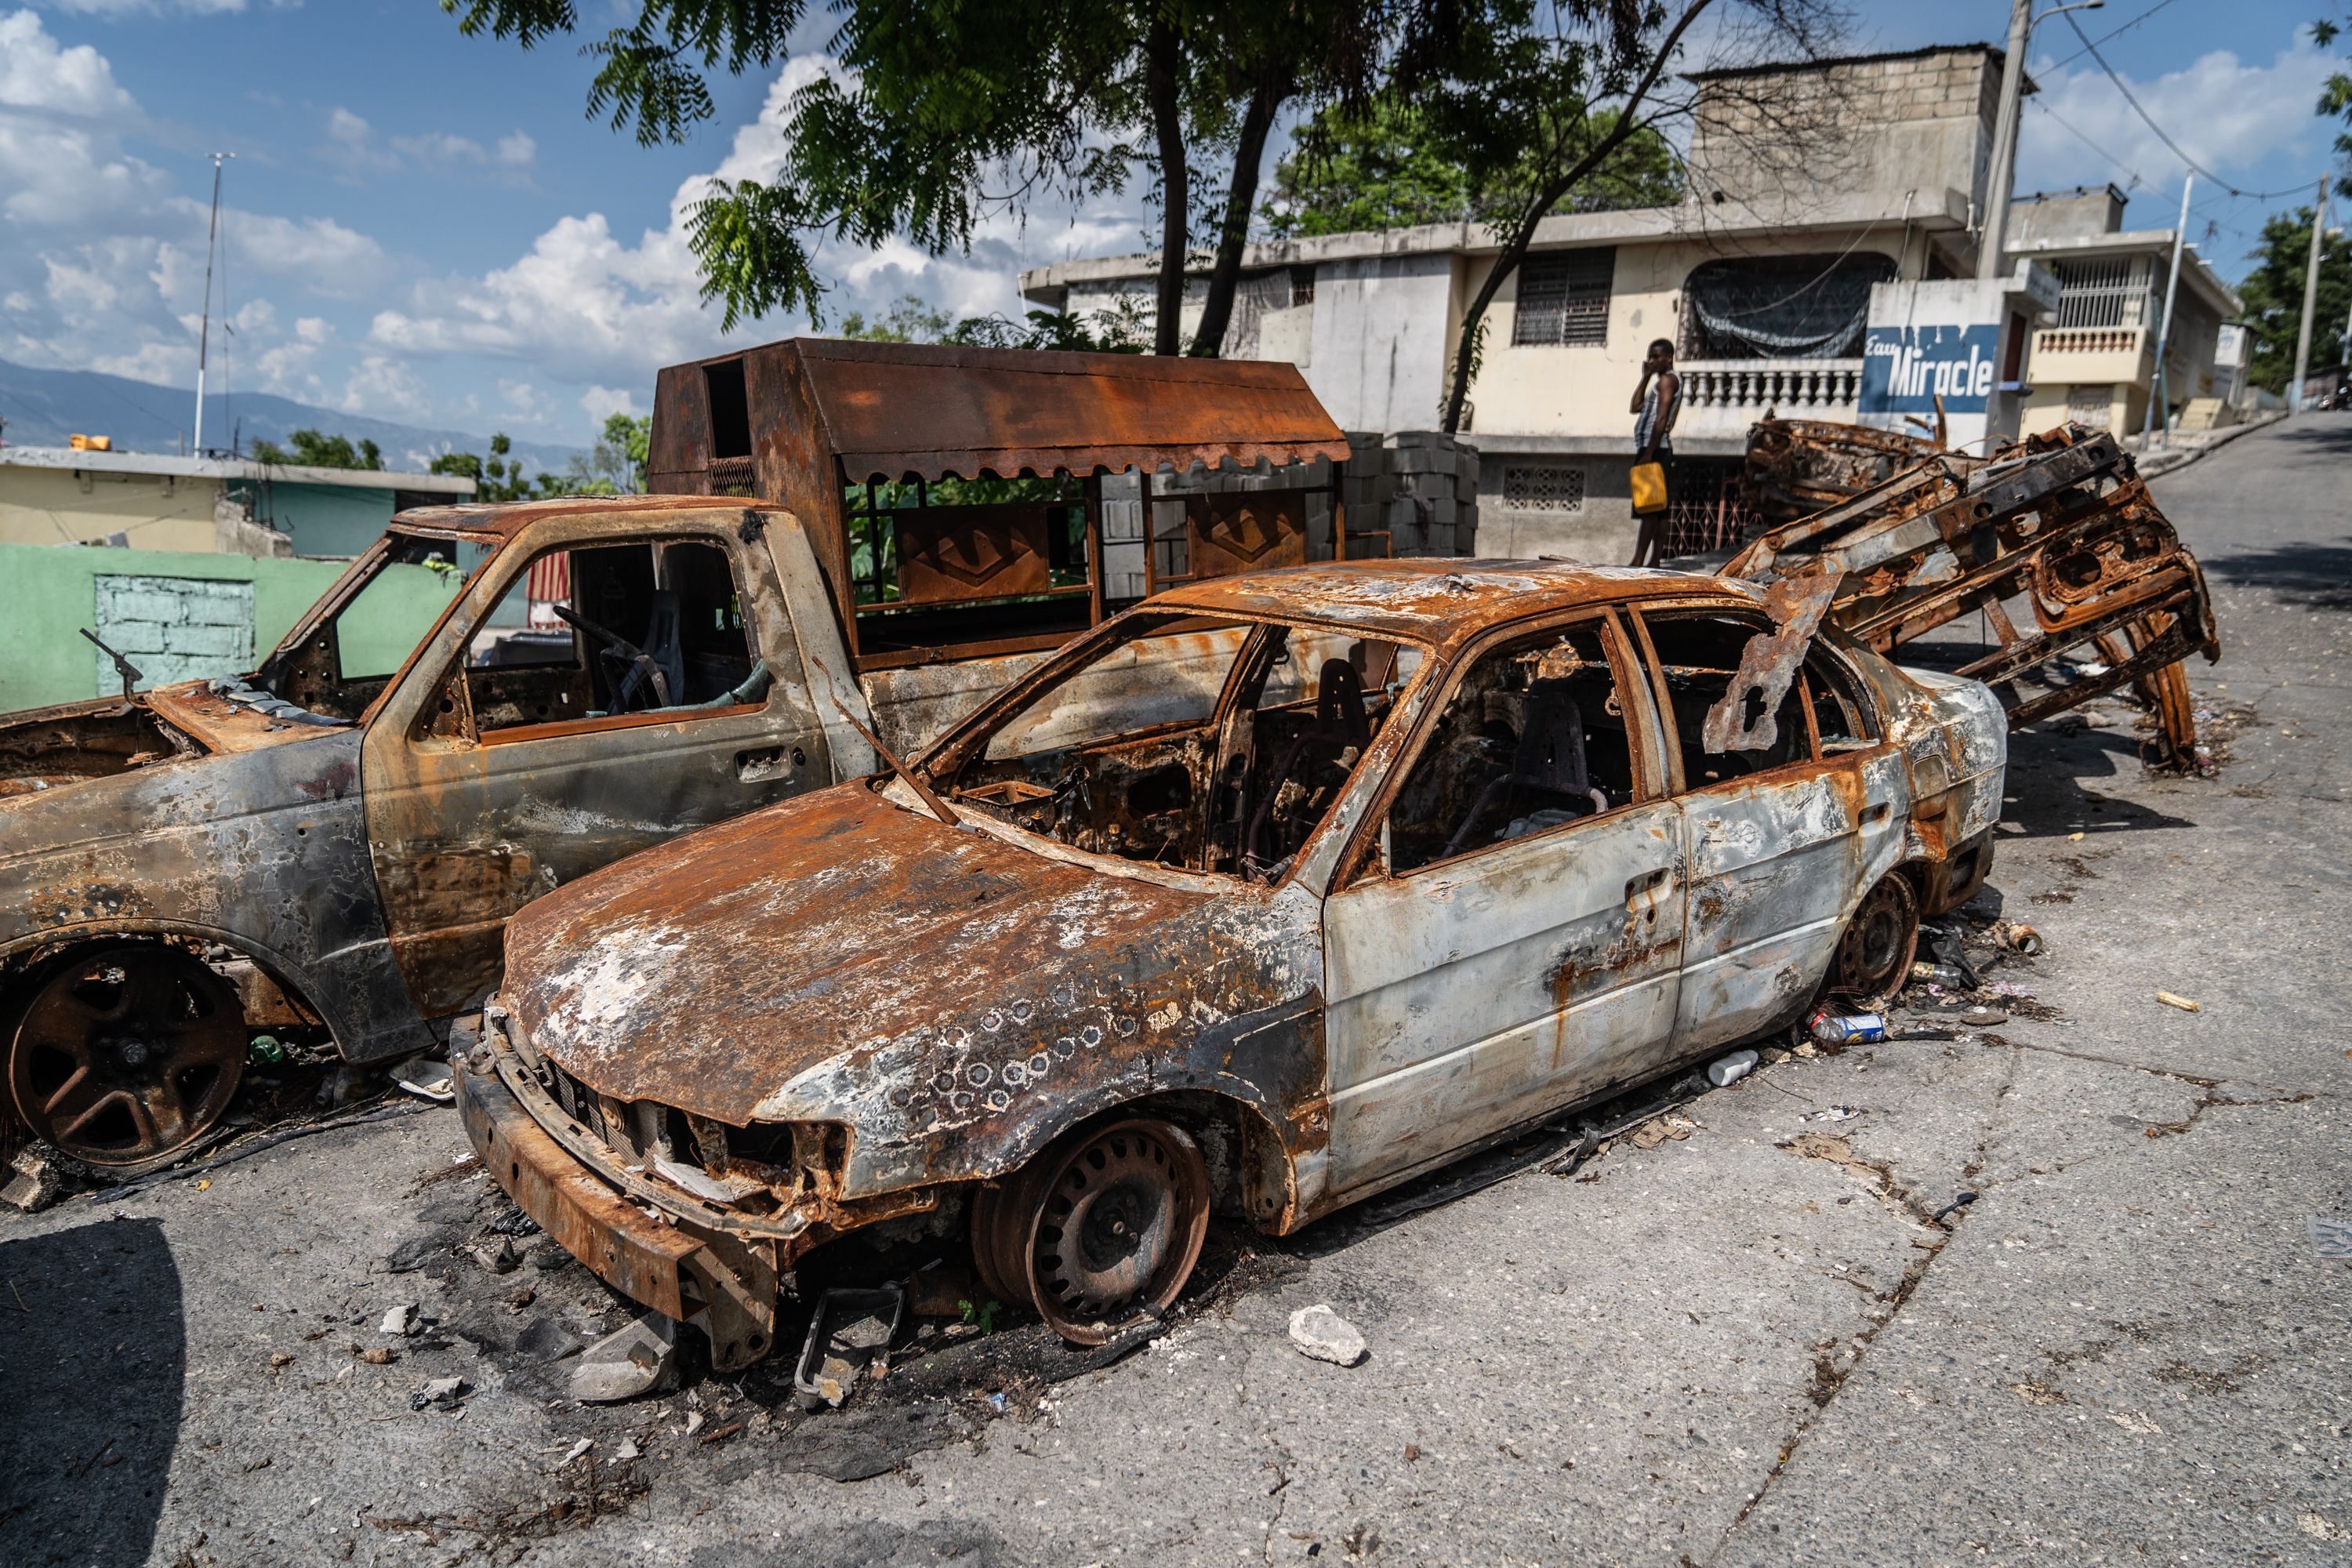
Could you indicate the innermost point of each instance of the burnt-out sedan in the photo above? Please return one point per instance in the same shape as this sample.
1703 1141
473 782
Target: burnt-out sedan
1265 896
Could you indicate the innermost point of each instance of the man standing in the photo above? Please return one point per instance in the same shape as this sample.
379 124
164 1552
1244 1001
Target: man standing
1656 402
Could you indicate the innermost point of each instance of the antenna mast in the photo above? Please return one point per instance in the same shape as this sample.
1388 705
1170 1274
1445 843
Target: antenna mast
204 338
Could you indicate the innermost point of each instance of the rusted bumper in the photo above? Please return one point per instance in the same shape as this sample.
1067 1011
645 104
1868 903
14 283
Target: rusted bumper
724 1284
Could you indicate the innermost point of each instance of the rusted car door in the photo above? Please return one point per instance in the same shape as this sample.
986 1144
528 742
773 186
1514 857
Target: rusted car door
1782 834
1518 945
489 783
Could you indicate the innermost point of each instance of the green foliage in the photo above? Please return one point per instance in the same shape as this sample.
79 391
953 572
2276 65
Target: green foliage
2273 293
1386 166
2336 95
984 1315
909 320
500 478
312 449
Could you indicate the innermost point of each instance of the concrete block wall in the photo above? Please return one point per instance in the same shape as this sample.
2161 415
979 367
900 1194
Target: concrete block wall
1420 486
175 629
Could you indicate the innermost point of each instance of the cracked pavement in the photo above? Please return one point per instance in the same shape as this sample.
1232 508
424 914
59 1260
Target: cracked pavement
1772 1340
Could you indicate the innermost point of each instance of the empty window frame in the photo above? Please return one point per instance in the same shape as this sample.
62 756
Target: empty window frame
1564 297
1543 487
1533 736
648 626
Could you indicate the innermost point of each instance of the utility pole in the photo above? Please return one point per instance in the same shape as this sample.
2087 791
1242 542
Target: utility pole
2164 334
2310 302
204 336
2003 173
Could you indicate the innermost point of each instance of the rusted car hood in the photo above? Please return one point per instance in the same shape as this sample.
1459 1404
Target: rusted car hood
836 957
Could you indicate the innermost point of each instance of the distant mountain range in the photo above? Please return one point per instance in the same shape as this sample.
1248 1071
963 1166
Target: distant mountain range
43 407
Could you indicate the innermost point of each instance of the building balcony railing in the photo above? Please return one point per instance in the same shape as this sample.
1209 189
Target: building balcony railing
1725 396
2090 355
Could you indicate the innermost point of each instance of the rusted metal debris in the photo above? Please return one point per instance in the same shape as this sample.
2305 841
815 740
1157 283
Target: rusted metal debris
2060 522
1796 467
853 436
1114 985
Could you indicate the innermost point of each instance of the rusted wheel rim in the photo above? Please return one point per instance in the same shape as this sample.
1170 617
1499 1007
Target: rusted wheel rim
125 1058
1111 1221
1875 951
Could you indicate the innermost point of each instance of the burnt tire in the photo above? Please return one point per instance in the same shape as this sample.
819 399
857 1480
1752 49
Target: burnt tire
1875 951
1106 1221
125 1058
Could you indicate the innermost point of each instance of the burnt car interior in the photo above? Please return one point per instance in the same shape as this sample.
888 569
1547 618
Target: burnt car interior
1533 736
653 625
1188 741
1699 655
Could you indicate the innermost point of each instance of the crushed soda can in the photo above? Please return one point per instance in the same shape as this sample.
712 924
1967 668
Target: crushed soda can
1848 1028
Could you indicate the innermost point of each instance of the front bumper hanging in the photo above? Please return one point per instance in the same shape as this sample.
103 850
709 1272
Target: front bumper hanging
723 1284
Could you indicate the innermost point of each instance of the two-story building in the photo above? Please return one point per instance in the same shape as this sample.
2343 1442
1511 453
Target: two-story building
1821 265
2095 362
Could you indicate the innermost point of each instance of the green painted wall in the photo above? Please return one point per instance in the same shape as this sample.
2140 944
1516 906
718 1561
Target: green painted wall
321 519
48 592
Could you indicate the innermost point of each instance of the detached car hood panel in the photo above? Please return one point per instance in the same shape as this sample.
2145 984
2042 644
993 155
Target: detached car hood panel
837 957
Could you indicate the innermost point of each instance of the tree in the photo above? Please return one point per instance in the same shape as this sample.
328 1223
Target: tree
1380 167
1542 100
500 479
2273 293
910 319
2336 97
313 451
945 115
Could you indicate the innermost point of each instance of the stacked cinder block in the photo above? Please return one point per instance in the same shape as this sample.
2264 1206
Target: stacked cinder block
1420 486
175 629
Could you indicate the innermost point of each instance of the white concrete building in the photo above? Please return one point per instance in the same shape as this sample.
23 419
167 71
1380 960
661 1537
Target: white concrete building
1835 281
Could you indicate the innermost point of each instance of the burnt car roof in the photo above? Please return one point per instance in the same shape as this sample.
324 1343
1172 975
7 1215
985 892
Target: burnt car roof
1439 600
504 520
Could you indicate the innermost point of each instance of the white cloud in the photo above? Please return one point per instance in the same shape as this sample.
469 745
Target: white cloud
2228 114
587 304
600 403
517 151
37 73
381 385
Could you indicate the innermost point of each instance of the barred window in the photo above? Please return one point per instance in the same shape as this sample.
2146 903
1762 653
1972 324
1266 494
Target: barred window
1564 297
1543 487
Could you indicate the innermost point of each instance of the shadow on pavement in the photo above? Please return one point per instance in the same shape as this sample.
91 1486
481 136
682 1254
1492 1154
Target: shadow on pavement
2319 576
2054 771
2318 435
93 1358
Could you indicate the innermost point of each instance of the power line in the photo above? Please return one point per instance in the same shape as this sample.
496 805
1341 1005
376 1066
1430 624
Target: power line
2110 33
2092 49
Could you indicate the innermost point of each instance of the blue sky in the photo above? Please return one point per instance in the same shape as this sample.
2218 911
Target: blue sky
424 226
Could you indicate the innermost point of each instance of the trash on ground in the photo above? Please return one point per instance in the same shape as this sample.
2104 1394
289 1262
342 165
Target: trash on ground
495 1253
627 1450
1832 1113
1325 1335
848 1330
425 1076
2018 937
2331 1237
2185 1003
1660 1129
400 1320
1849 1028
578 1449
1730 1069
442 1393
1938 975
639 1358
379 1355
38 1183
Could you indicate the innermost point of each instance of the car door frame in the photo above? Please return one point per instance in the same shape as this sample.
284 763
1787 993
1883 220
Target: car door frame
454 853
1761 931
1378 1093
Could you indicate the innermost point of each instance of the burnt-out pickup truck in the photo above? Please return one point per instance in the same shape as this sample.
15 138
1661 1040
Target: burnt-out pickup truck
859 541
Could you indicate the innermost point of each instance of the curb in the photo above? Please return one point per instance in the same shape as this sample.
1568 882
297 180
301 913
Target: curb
2157 466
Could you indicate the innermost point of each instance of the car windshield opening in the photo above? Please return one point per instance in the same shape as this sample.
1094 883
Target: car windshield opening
1194 742
345 662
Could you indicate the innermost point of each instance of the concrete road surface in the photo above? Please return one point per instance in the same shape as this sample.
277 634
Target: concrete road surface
1770 1339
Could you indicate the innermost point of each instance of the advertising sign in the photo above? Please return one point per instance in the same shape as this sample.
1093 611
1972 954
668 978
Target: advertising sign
1905 369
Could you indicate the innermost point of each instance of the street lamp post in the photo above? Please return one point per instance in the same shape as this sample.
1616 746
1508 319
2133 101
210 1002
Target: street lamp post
2022 18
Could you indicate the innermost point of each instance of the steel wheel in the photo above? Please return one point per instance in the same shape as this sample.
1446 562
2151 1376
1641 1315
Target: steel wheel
124 1057
1101 1224
1874 954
